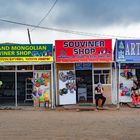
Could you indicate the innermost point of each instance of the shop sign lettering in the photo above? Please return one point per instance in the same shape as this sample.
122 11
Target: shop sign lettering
83 50
128 50
25 52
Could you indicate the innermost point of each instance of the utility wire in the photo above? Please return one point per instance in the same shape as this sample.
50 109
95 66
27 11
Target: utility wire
46 15
67 31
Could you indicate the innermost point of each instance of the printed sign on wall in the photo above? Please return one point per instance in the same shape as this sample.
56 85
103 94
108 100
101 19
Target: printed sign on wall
97 50
128 50
67 87
126 82
26 53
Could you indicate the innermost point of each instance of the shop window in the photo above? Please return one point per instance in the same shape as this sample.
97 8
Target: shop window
25 67
102 76
42 67
7 67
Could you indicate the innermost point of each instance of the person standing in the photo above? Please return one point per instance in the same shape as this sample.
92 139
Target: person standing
99 90
135 93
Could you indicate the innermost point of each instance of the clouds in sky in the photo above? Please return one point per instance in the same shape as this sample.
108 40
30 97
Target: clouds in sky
72 12
84 15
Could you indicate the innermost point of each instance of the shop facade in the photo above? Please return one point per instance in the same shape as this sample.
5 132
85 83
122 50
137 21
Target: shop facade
127 57
26 71
80 66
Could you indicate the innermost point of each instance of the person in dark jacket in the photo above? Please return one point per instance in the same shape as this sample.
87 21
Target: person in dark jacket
99 91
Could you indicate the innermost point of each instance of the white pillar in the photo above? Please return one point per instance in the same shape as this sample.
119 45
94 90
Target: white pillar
16 87
52 85
118 84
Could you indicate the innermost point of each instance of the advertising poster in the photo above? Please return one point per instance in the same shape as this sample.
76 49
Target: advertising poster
41 85
67 87
97 50
26 53
126 82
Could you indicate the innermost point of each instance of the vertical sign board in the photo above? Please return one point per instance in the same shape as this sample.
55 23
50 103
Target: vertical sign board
74 51
126 82
127 51
67 87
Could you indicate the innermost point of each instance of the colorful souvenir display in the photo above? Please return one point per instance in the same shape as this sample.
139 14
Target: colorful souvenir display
125 90
41 85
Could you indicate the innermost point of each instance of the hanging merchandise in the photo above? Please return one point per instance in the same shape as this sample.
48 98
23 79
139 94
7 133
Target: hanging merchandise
41 85
127 74
67 87
127 77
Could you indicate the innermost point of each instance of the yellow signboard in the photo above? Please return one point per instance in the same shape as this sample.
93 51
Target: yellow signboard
26 59
26 52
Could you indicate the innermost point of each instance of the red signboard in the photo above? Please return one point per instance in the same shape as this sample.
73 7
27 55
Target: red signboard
95 50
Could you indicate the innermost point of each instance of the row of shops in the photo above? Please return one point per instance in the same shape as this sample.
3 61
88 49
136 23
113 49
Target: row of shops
68 72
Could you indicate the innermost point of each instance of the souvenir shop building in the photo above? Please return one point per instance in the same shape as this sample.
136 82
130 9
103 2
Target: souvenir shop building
80 66
25 71
127 56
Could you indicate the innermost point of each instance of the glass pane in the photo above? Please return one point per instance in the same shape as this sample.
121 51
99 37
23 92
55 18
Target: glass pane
108 79
96 79
42 67
7 67
102 79
24 67
97 71
106 71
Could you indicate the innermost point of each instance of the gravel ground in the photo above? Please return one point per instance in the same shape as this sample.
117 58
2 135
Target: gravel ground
123 124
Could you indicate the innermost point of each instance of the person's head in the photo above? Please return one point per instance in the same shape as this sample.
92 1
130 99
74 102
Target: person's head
125 73
99 85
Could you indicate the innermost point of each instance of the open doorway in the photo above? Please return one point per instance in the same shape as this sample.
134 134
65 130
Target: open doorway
7 89
138 75
24 88
84 86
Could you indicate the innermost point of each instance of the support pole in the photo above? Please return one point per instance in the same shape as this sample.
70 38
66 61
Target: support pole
29 37
16 88
118 102
52 85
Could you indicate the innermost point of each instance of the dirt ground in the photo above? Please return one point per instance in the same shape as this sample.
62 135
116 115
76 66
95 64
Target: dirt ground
123 124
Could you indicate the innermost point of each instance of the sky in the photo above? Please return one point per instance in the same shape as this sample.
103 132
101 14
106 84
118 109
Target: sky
115 19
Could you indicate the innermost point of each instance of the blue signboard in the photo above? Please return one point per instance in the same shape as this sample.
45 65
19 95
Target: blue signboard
127 51
83 66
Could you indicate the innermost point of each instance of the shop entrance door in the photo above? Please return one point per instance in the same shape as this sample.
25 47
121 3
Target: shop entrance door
138 75
7 89
24 88
84 86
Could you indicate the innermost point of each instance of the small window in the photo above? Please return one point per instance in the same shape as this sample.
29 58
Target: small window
25 67
42 67
106 71
102 76
97 71
7 67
